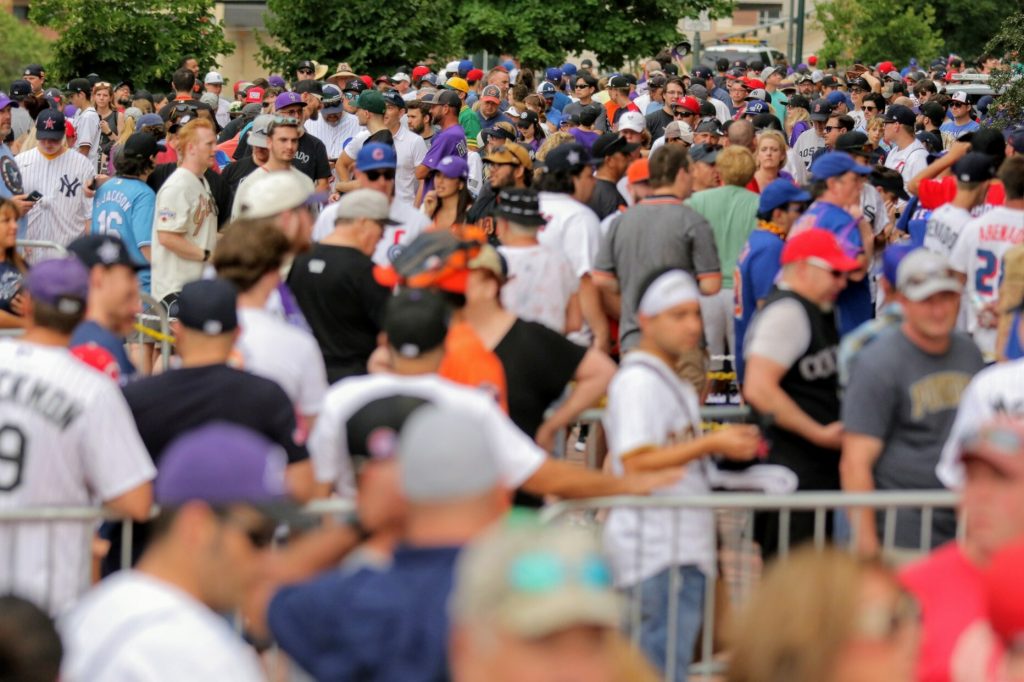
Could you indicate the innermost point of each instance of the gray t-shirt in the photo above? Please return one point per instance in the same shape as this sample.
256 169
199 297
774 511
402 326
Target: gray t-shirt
659 232
908 399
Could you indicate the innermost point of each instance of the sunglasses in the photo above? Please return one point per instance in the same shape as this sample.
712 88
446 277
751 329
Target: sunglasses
829 129
959 104
536 573
866 108
683 113
260 536
581 86
309 71
375 175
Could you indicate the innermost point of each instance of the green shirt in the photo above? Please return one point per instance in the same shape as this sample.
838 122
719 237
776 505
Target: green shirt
732 213
470 123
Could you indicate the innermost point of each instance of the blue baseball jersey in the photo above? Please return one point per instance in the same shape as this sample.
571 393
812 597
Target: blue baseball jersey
854 305
914 221
123 207
756 269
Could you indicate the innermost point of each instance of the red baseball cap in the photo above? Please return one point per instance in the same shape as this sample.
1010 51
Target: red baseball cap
419 72
367 80
753 83
812 60
254 95
474 75
689 102
819 245
885 67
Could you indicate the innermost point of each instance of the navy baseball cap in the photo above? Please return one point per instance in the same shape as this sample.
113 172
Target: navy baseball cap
1016 140
59 282
375 155
569 157
416 321
757 106
900 114
34 70
208 306
103 249
20 89
702 72
50 125
609 144
222 463
778 193
835 97
333 102
974 167
393 98
834 164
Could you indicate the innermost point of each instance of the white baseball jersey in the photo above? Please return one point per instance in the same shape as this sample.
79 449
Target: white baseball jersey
136 627
908 161
540 284
63 212
995 391
185 205
67 438
336 136
978 253
650 407
517 455
87 132
285 354
807 145
411 222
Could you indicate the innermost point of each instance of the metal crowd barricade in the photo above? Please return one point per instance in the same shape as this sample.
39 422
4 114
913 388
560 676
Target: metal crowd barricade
162 316
590 512
41 244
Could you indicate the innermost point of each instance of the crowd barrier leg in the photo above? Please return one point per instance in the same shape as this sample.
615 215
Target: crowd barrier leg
165 327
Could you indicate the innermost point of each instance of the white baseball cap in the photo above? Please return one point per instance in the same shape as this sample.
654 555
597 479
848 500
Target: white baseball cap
275 193
401 76
959 96
632 120
214 78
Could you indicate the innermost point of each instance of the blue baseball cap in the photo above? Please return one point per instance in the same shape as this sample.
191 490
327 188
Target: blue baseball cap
332 100
891 259
778 193
288 99
835 97
208 306
60 282
833 164
375 155
554 74
465 66
757 106
50 125
149 120
453 167
222 463
569 69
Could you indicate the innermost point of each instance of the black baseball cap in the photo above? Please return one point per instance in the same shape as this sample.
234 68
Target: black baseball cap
20 89
860 84
306 64
520 205
931 141
708 153
416 321
852 142
891 182
702 72
799 101
618 82
50 125
821 110
449 98
393 98
710 125
900 114
830 81
141 145
79 85
103 249
208 306
974 167
611 143
34 70
569 157
311 86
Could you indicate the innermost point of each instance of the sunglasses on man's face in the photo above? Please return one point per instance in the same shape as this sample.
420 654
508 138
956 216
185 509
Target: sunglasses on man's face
375 175
306 71
867 108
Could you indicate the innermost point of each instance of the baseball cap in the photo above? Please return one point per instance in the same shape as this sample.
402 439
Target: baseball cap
688 102
333 102
788 85
533 580
140 145
6 101
456 83
618 82
527 118
778 193
149 120
393 98
364 203
475 75
698 91
20 89
709 125
208 306
632 120
309 86
288 99
453 167
1016 140
416 321
354 85
752 83
931 141
511 152
923 273
759 93
427 97
833 164
817 245
60 282
214 78
435 259
444 455
546 89
275 193
820 110
999 443
103 249
974 167
702 72
756 106
852 142
254 95
223 463
276 81
372 101
79 85
569 69
707 153
34 70
899 114
830 81
835 98
885 67
419 72
553 74
521 206
569 157
891 182
610 143
891 259
448 98
374 156
259 133
491 93
677 130
50 125
638 171
859 84
465 66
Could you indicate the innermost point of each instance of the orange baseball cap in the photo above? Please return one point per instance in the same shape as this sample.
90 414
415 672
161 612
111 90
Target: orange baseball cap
638 171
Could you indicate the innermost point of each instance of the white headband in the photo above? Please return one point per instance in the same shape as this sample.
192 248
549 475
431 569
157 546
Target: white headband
668 291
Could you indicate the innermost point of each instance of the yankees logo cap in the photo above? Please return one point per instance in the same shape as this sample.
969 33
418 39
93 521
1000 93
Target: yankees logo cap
50 125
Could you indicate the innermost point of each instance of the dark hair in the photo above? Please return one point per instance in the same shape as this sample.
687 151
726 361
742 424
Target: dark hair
665 163
846 122
49 317
132 166
877 98
183 80
767 217
924 86
464 199
12 255
984 58
558 182
722 64
30 648
424 108
767 121
678 81
34 105
526 78
1011 173
585 77
261 82
185 60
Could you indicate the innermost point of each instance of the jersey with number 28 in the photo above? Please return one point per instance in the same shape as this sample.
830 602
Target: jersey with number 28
67 438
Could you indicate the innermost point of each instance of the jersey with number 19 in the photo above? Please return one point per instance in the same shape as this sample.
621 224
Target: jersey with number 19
978 254
67 438
123 207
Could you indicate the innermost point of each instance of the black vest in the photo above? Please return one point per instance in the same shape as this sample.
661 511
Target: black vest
813 384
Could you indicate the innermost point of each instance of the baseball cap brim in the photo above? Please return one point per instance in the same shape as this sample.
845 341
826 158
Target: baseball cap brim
930 287
488 98
841 262
545 614
861 170
454 282
50 134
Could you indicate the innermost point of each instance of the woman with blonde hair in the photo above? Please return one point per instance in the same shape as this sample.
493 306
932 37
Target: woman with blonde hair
825 616
771 159
798 117
131 117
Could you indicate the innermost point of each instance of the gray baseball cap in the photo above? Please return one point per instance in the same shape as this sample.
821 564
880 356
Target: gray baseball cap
259 134
365 203
922 273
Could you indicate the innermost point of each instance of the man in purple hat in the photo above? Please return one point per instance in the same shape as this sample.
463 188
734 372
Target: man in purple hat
68 440
311 156
222 493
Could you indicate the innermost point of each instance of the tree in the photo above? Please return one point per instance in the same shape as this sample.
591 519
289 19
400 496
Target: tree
20 44
966 26
874 30
1008 108
141 39
371 35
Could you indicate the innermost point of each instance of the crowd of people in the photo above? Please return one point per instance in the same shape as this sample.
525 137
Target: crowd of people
404 291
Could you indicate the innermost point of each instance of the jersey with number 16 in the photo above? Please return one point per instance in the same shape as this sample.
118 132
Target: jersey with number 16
123 208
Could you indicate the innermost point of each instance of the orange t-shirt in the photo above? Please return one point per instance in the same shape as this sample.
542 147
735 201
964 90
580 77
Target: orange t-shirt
469 362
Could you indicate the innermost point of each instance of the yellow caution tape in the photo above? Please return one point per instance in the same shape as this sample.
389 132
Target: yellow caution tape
152 333
721 376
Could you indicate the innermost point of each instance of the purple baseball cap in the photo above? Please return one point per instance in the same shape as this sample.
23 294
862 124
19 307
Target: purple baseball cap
287 99
6 101
453 167
276 81
223 463
59 282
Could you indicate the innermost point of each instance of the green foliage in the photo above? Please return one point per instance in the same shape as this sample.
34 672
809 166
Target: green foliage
20 44
1008 108
371 35
876 30
966 26
539 32
141 39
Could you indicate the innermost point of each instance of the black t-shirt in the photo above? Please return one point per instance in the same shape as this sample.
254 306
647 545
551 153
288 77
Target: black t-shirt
606 198
311 158
657 122
234 173
538 363
218 188
168 404
343 304
233 127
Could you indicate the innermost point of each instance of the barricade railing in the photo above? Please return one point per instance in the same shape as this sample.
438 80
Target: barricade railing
163 318
41 244
738 557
